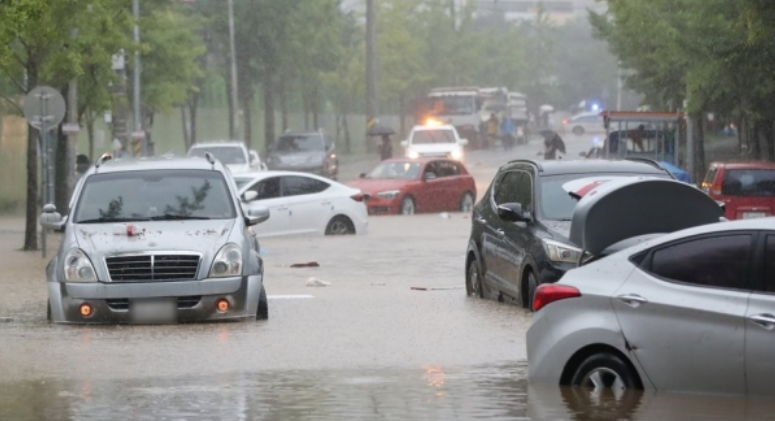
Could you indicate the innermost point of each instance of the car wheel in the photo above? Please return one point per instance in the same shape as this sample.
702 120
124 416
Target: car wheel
340 225
532 285
262 313
474 280
407 206
605 371
578 130
467 202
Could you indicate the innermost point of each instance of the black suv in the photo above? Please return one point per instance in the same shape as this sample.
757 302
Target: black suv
520 227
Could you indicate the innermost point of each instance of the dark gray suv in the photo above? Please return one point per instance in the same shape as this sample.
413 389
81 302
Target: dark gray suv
311 152
160 240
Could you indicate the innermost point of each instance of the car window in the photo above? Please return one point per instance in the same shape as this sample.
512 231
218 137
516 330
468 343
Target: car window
297 185
228 155
139 195
515 187
267 189
719 261
396 170
431 167
299 143
748 182
446 169
769 265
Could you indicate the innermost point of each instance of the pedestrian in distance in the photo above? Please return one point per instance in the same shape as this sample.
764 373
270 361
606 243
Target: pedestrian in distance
492 130
385 148
507 133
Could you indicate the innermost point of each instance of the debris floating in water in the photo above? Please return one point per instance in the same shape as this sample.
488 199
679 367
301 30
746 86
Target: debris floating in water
315 282
306 265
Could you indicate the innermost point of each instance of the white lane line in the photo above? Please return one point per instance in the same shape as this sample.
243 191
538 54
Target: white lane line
290 297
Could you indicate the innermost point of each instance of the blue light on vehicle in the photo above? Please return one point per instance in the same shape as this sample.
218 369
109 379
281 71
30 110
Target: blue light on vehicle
595 107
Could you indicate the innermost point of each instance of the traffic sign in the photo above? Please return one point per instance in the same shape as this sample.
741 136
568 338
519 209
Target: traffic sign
44 107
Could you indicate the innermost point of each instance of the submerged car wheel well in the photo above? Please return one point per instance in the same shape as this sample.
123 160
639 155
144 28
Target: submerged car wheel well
581 355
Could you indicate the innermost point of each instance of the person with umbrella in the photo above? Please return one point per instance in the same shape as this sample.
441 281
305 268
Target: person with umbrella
385 148
553 143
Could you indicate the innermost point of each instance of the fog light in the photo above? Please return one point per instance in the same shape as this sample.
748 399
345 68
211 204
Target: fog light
222 305
86 310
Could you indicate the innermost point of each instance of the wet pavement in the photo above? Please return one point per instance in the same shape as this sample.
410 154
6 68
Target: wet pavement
367 346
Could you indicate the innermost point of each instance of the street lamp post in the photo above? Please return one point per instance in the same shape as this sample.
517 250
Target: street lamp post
138 69
232 50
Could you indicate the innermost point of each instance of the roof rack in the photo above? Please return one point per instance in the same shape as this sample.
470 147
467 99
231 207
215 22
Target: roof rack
649 161
103 158
210 158
529 161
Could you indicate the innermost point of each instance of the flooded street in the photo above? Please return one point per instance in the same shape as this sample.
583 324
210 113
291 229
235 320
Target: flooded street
368 346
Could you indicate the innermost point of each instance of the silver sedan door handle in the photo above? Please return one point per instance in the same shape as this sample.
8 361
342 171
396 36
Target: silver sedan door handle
764 320
632 300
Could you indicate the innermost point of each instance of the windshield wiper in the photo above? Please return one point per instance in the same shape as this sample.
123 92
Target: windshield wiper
105 220
173 217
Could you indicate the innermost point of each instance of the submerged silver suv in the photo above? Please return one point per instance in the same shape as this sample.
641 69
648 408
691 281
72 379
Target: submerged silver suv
160 240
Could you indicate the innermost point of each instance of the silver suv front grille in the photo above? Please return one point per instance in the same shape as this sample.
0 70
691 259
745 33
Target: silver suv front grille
153 267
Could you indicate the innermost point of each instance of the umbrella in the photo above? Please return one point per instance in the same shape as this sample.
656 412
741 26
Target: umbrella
677 172
554 139
379 130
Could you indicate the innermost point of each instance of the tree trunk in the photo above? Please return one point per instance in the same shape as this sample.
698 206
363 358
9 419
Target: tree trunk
186 130
315 110
346 130
31 225
282 89
305 103
739 125
402 111
699 147
193 107
768 130
232 129
62 170
268 111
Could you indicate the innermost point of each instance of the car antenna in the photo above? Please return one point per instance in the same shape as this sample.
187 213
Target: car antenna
210 158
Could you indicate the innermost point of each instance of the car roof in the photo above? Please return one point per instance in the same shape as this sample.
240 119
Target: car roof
212 143
422 127
739 165
155 163
581 166
267 174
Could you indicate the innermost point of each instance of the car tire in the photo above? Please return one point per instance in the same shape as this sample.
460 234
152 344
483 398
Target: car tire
262 312
578 130
605 371
408 206
532 285
340 225
467 202
474 279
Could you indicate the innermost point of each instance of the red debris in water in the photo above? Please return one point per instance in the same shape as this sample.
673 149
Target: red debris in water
306 265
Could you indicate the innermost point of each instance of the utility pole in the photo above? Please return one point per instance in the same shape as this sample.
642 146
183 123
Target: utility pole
371 71
689 141
138 69
619 88
234 126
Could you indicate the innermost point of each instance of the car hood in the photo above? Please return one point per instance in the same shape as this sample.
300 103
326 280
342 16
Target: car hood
560 230
375 185
205 237
434 147
298 158
623 208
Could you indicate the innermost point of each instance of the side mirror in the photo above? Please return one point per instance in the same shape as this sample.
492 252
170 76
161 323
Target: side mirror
429 176
404 143
513 212
50 218
249 196
464 142
362 175
256 216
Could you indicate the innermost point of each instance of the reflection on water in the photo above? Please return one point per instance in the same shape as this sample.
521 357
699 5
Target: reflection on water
432 392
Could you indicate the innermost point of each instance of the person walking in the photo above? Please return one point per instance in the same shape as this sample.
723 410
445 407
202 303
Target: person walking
385 148
507 133
492 130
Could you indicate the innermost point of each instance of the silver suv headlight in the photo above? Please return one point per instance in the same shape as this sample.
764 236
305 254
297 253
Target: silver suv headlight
560 252
78 267
228 262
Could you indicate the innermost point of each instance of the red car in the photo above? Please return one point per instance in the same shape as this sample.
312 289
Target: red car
406 186
747 189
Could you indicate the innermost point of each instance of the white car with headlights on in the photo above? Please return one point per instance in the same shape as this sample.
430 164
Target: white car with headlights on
434 140
160 240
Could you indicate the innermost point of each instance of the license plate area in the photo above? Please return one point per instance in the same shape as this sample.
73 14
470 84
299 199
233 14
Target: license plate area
153 311
752 215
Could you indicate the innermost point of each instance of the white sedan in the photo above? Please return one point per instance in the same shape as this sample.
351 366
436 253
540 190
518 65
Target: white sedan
302 203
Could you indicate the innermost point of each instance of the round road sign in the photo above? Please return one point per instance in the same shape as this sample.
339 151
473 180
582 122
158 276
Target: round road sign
44 106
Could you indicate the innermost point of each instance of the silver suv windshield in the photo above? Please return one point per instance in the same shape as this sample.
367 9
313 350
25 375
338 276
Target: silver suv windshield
154 195
228 155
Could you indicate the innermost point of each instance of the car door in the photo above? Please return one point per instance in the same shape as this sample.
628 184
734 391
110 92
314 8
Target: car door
682 313
760 325
431 195
517 235
308 208
270 197
498 250
453 186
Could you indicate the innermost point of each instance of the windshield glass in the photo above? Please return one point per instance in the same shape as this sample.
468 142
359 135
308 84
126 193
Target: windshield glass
433 136
396 170
228 155
300 143
143 195
454 105
748 182
556 204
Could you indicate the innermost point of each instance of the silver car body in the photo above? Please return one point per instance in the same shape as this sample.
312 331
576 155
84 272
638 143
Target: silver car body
198 240
677 336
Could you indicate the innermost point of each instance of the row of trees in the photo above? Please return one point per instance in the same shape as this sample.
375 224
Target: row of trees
714 55
294 56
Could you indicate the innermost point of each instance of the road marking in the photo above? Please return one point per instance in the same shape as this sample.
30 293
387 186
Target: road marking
290 297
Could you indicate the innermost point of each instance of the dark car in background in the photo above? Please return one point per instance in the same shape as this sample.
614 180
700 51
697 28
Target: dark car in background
311 152
747 189
520 228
